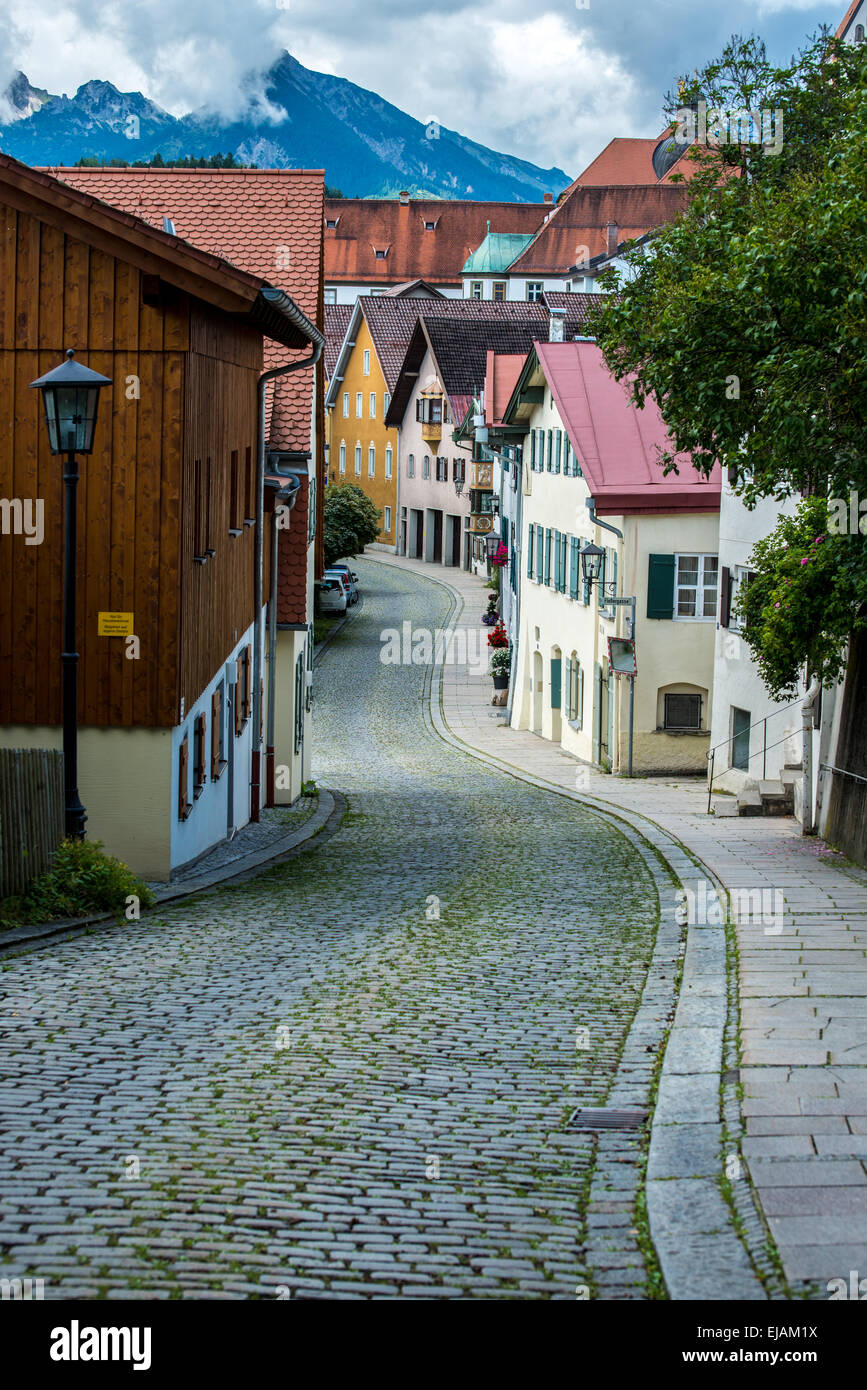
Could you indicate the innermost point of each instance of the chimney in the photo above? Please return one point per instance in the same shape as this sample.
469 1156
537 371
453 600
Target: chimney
612 238
556 325
403 196
548 198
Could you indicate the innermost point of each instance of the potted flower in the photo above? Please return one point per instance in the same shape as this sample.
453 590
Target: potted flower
491 615
502 555
501 661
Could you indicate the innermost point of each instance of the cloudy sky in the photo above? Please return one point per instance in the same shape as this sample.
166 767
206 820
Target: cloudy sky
549 80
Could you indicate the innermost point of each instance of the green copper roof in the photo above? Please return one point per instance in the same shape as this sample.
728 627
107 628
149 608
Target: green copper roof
496 253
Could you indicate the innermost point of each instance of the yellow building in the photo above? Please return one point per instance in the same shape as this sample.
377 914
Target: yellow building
363 371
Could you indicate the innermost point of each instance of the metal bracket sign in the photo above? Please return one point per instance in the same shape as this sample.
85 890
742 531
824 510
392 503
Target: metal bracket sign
619 600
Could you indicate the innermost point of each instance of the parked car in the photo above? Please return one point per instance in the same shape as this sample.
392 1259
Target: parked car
351 575
331 596
350 580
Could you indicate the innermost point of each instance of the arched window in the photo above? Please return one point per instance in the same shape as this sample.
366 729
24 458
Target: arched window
388 460
358 460
575 691
410 465
371 461
425 466
343 456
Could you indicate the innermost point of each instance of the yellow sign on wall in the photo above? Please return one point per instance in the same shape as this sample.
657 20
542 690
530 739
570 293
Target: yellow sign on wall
116 624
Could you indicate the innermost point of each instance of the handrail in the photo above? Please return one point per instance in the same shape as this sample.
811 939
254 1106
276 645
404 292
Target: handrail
781 710
829 767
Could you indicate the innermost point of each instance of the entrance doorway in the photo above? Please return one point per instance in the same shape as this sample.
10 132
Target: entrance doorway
537 692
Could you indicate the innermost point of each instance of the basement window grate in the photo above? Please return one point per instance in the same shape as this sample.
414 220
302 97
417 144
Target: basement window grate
598 1117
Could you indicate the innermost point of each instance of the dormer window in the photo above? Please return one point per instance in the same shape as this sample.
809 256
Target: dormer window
331 223
430 226
380 254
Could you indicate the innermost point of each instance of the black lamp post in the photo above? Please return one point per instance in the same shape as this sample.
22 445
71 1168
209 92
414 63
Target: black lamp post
591 562
70 395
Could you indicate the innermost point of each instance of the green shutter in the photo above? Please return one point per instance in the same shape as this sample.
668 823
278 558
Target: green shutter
532 448
540 554
540 453
548 555
550 458
660 586
579 704
574 563
556 681
530 552
559 450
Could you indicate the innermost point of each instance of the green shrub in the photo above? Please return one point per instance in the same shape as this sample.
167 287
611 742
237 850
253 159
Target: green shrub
82 880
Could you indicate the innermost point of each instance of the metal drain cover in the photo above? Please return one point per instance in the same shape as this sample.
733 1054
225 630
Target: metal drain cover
598 1117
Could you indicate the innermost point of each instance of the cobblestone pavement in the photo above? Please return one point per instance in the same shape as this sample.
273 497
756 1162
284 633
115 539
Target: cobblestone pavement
350 1076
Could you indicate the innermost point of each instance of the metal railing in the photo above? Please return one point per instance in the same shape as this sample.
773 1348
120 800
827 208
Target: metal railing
764 750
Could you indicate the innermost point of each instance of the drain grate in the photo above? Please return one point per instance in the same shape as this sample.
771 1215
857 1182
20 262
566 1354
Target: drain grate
598 1117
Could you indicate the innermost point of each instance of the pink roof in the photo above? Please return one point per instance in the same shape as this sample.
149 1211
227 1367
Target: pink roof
617 445
502 370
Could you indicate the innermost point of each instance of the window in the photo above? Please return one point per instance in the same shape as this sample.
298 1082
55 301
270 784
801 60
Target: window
695 586
200 730
218 734
558 450
499 291
386 524
475 289
331 224
531 535
184 806
311 509
389 456
740 738
372 411
358 460
575 691
534 291
859 33
459 470
410 465
366 362
236 519
380 255
299 702
741 578
249 488
548 542
540 555
330 295
243 700
371 461
425 466
386 402
342 456
682 712
346 405
429 410
574 566
430 226
359 409
442 470
549 457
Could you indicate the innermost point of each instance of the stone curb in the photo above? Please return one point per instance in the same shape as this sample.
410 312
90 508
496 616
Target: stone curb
700 1253
321 823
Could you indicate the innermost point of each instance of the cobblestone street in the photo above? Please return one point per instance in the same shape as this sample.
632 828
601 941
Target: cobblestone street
352 1075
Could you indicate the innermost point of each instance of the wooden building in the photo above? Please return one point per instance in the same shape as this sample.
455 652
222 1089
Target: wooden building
167 513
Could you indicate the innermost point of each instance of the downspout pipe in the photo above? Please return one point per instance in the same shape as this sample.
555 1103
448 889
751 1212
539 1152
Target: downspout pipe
275 298
809 700
590 503
285 498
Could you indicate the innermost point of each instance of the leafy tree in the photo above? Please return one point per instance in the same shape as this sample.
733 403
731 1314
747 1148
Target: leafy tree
806 600
745 318
351 521
332 192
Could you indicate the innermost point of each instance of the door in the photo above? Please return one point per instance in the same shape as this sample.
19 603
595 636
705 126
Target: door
740 739
456 541
537 692
437 555
556 694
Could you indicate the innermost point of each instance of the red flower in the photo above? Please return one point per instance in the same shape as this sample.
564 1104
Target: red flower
498 638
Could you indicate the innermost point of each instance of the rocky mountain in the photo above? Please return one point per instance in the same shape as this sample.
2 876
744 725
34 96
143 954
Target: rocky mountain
367 146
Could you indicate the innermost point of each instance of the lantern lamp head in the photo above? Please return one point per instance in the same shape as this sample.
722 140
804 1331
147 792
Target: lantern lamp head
70 396
591 562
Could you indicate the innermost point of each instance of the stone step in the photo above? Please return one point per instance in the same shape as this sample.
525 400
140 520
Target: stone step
749 803
725 806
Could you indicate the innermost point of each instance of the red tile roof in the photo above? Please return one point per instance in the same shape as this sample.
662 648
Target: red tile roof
368 224
265 221
583 217
847 19
618 446
630 161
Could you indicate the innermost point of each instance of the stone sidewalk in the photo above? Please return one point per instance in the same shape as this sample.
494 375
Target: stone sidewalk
802 969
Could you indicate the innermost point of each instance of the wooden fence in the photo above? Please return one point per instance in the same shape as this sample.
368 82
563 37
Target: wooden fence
31 814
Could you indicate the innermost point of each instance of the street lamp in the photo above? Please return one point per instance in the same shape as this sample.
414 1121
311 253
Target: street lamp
591 562
70 396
